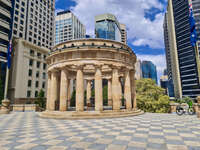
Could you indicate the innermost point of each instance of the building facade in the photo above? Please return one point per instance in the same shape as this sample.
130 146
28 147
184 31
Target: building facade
164 83
28 73
184 73
149 70
123 33
68 27
6 12
138 70
34 21
107 27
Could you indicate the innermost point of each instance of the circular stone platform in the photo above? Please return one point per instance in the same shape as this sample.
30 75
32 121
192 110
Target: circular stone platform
89 114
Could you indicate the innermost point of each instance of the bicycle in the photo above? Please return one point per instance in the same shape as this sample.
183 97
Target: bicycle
180 109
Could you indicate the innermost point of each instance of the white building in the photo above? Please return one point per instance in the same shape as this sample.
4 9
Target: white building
28 73
34 21
123 33
68 27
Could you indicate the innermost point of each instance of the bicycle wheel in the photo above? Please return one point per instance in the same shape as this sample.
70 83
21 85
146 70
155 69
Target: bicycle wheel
191 111
179 110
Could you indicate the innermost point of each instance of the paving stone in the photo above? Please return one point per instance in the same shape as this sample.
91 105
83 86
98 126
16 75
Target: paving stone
27 131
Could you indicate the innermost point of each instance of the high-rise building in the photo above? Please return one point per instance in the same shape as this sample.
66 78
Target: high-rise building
164 83
28 74
34 21
149 70
123 33
107 27
182 59
68 27
138 70
6 12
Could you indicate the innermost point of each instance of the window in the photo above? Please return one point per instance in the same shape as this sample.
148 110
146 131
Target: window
39 55
43 85
38 64
22 9
30 73
15 25
31 52
21 22
22 15
16 12
31 62
30 39
29 83
21 28
37 74
16 19
15 32
28 93
36 93
37 84
20 35
44 75
23 4
17 6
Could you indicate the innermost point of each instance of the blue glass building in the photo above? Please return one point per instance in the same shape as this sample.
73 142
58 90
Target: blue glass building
149 70
107 27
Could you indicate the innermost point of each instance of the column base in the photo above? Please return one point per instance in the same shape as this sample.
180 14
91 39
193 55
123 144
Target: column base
5 107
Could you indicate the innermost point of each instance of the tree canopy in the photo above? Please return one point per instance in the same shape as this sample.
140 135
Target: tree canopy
150 97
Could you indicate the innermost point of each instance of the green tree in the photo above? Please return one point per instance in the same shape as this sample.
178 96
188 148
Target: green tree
41 99
1 91
150 97
105 95
73 99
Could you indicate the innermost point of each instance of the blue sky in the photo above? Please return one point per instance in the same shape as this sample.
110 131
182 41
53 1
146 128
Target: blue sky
143 18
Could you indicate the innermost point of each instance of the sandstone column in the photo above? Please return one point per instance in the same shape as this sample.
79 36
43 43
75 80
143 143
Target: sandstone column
127 90
54 91
109 92
69 93
120 92
79 89
98 90
63 90
133 89
48 91
115 89
88 91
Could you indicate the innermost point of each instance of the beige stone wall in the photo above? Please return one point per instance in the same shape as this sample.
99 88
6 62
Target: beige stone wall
91 59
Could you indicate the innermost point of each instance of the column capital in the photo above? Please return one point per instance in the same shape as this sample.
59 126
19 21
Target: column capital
79 66
98 66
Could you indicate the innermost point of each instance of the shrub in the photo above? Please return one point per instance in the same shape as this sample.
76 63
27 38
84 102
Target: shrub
150 97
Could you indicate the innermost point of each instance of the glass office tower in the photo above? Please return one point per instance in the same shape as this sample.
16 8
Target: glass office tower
107 27
149 70
182 59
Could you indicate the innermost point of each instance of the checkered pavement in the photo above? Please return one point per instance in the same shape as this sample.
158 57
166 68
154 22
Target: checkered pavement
26 131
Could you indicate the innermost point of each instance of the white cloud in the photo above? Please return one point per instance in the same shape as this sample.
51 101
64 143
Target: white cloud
158 60
141 31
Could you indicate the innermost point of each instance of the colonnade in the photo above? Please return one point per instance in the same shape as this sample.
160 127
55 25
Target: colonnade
59 89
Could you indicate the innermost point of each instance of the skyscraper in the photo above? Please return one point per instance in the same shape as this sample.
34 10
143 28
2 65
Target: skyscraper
107 27
181 56
138 70
149 70
34 21
123 33
68 27
6 10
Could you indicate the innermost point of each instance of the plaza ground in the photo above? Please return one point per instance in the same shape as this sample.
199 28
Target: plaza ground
26 131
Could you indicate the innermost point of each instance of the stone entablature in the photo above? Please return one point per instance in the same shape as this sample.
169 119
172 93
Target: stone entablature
91 59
